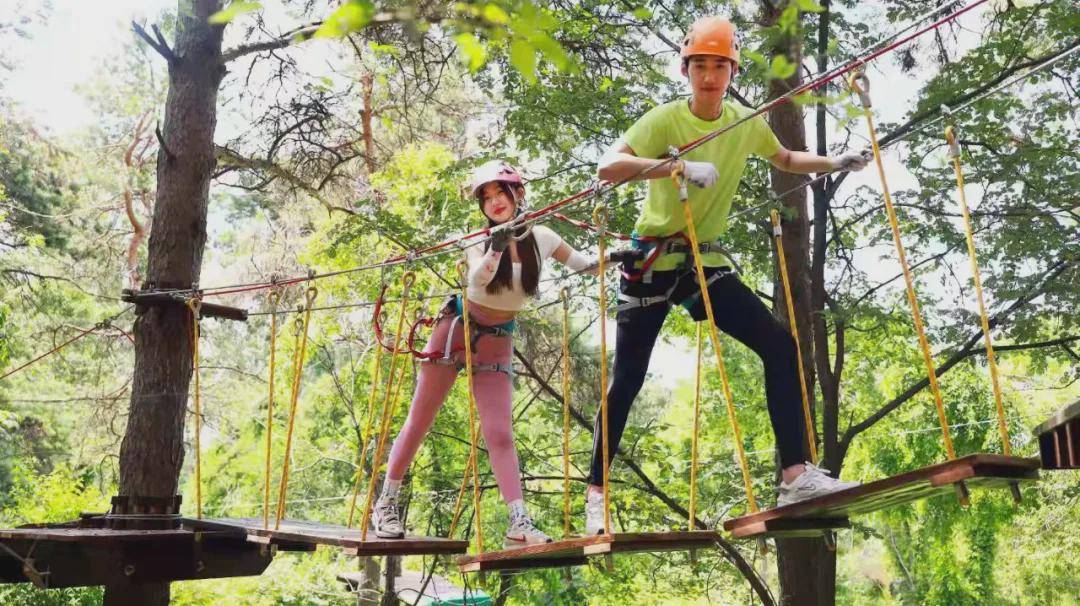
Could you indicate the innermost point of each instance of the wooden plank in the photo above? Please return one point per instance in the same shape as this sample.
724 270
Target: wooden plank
76 557
574 551
791 527
298 533
977 471
1059 418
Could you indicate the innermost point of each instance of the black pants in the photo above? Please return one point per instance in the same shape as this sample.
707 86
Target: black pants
739 313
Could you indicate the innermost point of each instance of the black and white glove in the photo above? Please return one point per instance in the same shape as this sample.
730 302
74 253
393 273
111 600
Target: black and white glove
850 161
500 237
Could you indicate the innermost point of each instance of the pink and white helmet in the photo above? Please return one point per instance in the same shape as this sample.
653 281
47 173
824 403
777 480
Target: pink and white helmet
495 170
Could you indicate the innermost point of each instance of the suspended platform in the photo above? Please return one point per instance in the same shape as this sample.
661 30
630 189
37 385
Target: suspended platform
1059 439
84 553
295 535
819 516
575 551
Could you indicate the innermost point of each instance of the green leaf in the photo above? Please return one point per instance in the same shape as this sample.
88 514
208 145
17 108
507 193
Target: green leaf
605 84
781 68
552 50
523 57
234 10
495 14
472 52
755 57
349 17
809 6
642 13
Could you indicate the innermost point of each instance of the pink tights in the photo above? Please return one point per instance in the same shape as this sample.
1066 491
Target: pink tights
493 393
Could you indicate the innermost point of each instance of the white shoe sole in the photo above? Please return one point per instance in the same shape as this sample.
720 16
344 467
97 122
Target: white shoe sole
509 543
383 534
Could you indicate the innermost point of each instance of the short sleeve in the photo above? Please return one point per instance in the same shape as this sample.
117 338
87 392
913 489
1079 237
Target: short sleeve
547 241
646 136
764 142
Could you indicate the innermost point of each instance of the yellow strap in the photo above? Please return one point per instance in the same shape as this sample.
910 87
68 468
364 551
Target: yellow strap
861 85
473 412
370 416
697 428
991 358
600 218
565 297
274 297
194 304
387 407
294 397
714 336
808 418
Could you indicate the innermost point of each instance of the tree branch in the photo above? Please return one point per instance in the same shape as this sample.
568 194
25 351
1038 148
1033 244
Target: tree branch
298 34
158 45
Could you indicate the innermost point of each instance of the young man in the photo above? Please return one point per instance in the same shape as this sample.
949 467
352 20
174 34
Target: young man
710 58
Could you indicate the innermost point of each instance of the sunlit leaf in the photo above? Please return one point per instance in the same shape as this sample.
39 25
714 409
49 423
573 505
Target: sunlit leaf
234 10
523 57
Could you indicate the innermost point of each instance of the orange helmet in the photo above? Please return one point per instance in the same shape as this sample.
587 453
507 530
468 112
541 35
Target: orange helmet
712 36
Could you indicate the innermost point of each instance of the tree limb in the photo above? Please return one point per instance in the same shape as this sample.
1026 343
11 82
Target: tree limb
158 45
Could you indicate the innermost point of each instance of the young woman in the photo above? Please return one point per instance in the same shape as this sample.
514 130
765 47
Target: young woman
501 276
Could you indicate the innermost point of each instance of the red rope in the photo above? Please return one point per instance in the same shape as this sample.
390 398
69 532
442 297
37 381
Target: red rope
551 208
82 334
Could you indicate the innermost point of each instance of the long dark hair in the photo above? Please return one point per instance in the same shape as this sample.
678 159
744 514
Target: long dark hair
527 248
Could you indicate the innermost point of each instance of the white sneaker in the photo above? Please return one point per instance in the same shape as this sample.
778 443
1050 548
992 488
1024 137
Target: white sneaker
386 520
594 513
813 483
522 532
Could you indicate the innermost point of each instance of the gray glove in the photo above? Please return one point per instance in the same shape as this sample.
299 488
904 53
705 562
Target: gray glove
850 161
700 174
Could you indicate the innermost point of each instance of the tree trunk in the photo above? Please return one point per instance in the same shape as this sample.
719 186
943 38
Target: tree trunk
152 451
807 569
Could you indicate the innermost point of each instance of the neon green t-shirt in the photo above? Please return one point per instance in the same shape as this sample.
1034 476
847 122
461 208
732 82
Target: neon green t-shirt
672 124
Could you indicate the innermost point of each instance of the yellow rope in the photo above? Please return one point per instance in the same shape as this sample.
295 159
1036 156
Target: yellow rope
194 304
714 336
811 440
473 412
987 339
600 218
370 416
274 297
863 91
564 296
298 371
387 407
460 502
697 426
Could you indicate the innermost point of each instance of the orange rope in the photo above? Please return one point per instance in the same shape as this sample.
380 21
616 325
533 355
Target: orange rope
600 218
274 297
407 281
377 363
714 336
694 438
861 85
474 431
298 371
808 418
194 304
991 358
564 296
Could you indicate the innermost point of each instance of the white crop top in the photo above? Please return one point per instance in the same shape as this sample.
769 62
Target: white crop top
509 299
